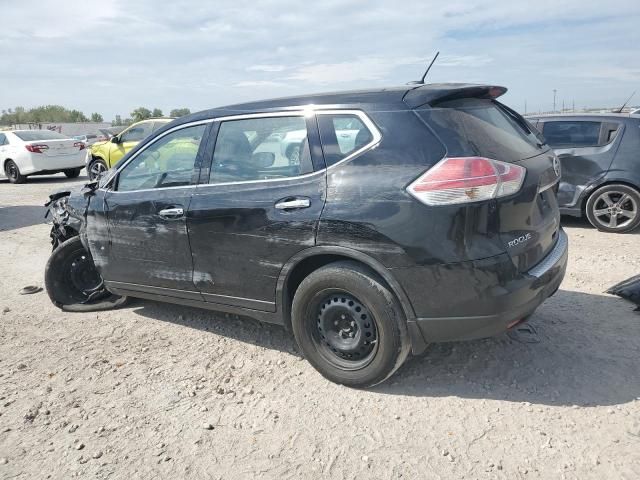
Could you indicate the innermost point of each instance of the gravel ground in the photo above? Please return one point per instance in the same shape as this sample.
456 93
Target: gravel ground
162 391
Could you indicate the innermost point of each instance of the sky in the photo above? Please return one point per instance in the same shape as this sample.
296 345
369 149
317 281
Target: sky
111 56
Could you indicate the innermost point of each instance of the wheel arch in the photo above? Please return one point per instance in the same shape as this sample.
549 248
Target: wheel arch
309 260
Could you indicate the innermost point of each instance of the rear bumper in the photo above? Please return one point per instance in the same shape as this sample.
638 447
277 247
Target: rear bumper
40 163
502 304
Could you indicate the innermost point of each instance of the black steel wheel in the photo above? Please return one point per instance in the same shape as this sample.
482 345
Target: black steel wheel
349 325
12 172
614 208
346 333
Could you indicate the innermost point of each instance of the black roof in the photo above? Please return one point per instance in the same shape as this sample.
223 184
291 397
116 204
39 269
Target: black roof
399 97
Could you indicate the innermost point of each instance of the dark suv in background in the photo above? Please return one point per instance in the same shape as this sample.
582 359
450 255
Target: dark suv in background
424 213
600 157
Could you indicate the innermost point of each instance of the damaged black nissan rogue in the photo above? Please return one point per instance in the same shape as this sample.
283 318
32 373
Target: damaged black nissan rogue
369 223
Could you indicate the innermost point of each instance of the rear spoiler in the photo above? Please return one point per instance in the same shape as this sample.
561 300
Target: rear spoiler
433 94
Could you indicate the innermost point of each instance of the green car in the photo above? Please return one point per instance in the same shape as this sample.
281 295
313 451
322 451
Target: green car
102 156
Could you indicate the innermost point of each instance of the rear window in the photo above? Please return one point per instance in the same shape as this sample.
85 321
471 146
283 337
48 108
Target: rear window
35 135
476 127
572 134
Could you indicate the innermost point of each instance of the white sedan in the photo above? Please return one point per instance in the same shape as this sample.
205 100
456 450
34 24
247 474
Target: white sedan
38 152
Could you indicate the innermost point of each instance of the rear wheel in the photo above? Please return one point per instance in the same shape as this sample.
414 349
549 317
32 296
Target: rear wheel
614 208
349 325
95 168
12 172
72 173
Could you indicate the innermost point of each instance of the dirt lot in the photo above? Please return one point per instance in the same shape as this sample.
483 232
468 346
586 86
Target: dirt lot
162 391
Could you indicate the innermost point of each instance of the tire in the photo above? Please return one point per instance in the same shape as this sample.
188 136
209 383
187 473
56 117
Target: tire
94 168
70 276
12 172
614 208
336 312
72 173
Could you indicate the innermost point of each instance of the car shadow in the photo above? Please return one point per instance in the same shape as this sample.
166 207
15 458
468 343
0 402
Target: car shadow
241 328
20 216
587 354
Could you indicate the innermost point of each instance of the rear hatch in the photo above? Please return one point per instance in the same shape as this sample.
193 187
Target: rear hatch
526 223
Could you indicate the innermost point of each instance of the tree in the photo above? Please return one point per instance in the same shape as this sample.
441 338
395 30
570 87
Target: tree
117 122
97 118
179 112
140 113
156 112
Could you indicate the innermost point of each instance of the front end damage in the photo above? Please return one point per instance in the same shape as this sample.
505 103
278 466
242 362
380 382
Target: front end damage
71 278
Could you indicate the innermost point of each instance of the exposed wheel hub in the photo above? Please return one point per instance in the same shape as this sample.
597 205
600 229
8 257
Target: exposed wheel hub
346 327
83 274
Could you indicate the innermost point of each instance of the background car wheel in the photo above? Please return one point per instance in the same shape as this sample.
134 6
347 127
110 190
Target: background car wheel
96 167
614 208
70 276
12 172
72 173
349 326
293 154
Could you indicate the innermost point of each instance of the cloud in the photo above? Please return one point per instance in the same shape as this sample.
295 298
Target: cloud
259 83
266 68
114 55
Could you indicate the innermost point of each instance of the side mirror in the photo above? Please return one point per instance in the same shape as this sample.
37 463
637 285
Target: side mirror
115 139
263 159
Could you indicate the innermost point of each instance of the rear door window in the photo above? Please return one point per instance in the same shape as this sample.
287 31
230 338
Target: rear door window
477 127
261 149
342 135
572 133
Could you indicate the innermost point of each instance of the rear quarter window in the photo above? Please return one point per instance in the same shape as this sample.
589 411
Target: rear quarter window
574 133
476 127
342 135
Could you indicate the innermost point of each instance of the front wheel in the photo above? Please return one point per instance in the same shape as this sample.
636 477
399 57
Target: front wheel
96 168
70 276
12 172
614 208
349 325
72 173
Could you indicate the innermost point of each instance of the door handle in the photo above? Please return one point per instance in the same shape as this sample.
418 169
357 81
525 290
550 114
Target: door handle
170 213
293 203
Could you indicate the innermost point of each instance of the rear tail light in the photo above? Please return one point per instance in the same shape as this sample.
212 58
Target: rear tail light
37 148
80 145
467 179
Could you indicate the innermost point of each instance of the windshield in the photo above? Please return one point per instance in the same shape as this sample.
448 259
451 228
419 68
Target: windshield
36 135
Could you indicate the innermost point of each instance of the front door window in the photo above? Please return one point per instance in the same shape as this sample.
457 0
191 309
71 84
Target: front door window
168 162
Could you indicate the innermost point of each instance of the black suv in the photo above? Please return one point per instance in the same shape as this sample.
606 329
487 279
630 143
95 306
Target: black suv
600 157
425 213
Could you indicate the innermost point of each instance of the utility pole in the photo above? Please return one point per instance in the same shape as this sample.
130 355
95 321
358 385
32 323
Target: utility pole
525 107
562 106
573 107
554 100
